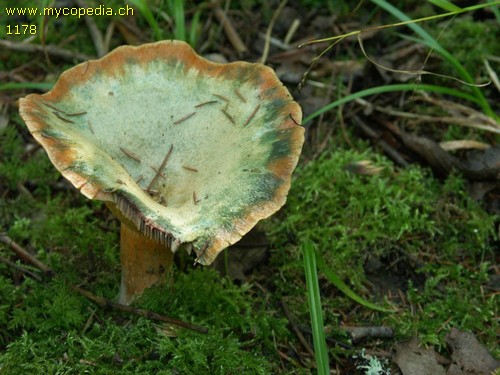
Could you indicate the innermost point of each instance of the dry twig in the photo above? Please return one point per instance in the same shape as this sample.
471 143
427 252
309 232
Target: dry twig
390 151
24 255
231 32
477 121
295 329
51 50
359 333
95 34
269 30
21 269
103 302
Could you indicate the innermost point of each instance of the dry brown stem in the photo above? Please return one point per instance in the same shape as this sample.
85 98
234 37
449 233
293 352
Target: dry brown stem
103 302
230 31
51 50
25 255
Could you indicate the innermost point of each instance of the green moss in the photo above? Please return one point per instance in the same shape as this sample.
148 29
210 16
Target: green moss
452 296
350 216
390 218
65 333
471 42
394 217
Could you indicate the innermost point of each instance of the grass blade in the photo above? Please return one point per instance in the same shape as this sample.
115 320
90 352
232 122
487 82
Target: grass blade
178 12
495 10
446 5
433 43
335 280
194 29
42 86
143 7
390 88
320 348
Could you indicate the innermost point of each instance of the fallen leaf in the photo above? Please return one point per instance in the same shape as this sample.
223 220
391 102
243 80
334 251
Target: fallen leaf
463 144
415 360
469 357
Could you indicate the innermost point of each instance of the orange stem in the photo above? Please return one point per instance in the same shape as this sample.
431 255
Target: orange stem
144 261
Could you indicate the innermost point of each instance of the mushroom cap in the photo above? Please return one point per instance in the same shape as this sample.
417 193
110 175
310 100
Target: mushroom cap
190 151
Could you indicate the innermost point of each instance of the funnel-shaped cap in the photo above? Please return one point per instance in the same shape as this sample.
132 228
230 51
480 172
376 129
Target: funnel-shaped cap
190 151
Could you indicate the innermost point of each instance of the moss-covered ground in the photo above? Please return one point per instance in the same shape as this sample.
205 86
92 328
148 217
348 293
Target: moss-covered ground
400 238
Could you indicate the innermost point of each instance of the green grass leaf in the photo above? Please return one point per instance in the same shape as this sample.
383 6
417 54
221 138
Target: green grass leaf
434 44
340 285
446 5
42 86
180 27
320 348
390 88
143 7
194 29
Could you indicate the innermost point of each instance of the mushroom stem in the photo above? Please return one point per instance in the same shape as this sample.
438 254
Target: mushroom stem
144 261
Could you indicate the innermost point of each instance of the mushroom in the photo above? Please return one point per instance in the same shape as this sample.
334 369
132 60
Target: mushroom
185 152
